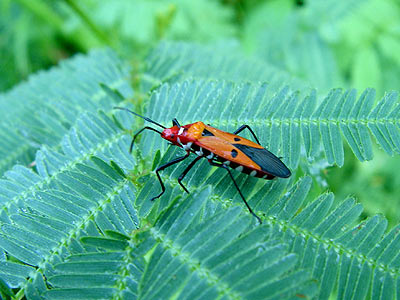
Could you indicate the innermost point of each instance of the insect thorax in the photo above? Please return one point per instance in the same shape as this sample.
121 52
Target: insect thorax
195 130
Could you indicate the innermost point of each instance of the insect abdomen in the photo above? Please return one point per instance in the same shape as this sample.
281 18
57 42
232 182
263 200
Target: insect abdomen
238 167
246 170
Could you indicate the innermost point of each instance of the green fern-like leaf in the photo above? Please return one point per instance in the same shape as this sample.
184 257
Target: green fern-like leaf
86 193
283 121
42 110
97 275
325 239
93 135
177 61
75 227
192 254
64 197
353 258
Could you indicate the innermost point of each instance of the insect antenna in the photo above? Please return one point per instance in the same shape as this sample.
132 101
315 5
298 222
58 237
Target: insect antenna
147 119
139 132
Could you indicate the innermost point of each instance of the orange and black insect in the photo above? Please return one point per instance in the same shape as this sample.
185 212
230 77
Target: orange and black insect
220 148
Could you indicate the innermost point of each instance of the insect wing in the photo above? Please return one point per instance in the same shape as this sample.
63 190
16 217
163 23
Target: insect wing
242 151
226 151
267 161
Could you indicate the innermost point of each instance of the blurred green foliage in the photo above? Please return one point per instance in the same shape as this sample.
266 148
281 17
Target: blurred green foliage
327 44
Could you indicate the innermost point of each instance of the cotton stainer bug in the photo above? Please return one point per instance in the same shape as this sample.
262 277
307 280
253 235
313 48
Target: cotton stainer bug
221 149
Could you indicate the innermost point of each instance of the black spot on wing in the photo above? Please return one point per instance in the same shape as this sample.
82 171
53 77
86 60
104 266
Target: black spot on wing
234 153
206 133
267 161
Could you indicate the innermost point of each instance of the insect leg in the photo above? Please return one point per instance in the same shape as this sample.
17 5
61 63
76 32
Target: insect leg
139 132
176 123
237 187
243 127
186 171
168 164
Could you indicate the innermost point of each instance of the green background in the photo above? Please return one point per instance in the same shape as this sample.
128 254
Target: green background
305 45
326 44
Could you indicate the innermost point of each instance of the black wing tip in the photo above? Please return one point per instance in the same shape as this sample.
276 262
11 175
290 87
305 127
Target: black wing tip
282 172
268 162
286 174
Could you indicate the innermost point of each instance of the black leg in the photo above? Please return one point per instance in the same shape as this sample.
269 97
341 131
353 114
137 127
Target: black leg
237 187
139 132
186 171
176 123
243 127
168 164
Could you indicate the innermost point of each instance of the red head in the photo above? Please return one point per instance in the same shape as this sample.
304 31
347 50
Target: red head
171 134
178 135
